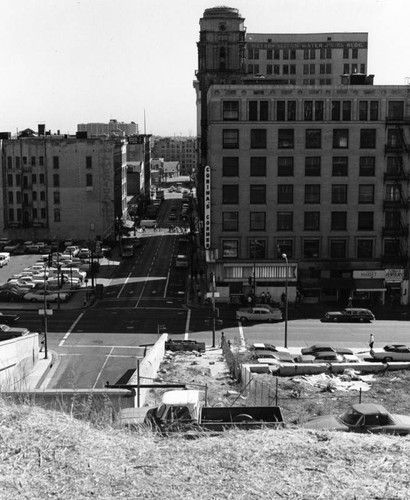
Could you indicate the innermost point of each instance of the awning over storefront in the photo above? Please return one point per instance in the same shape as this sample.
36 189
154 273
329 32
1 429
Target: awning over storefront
337 283
371 285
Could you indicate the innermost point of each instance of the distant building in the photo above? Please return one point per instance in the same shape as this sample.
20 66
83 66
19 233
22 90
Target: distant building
121 129
180 149
303 157
59 186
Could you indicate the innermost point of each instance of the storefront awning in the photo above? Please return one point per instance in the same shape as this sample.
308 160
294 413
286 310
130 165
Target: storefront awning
337 283
373 285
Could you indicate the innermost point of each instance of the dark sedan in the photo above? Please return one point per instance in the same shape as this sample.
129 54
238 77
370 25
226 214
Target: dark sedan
316 348
349 315
363 418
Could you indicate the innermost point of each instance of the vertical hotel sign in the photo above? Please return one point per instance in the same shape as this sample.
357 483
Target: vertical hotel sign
207 207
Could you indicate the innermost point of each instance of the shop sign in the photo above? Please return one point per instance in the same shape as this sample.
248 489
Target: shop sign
207 207
394 275
369 274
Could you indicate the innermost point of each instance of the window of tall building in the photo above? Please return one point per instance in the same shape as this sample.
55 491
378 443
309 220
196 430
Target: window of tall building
276 54
89 180
56 180
363 110
10 197
285 138
230 194
336 107
88 162
280 111
230 166
310 248
57 215
33 161
308 110
393 192
312 193
354 68
258 138
43 213
339 166
269 54
394 165
257 249
319 106
9 180
9 162
340 138
313 139
291 105
285 166
258 110
346 69
230 138
395 110
368 138
230 221
306 54
285 221
17 161
257 221
230 110
42 179
284 246
312 54
258 166
355 53
11 215
285 193
285 54
374 110
366 193
56 197
345 53
338 221
367 166
292 69
346 110
56 162
34 195
18 179
42 195
364 249
292 54
276 69
339 193
269 69
311 221
338 249
365 221
312 166
285 69
311 69
257 194
253 53
230 249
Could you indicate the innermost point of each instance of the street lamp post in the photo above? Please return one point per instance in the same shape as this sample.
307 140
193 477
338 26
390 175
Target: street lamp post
284 256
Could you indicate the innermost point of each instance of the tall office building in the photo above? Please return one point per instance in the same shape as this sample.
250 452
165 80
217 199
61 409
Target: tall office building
310 163
113 127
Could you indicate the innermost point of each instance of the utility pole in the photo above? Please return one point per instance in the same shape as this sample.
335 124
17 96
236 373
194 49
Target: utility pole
213 308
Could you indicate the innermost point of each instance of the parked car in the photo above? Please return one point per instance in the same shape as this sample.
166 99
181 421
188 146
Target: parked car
259 313
316 348
364 418
84 253
391 352
11 248
349 315
281 356
10 295
7 319
12 331
334 357
72 250
38 296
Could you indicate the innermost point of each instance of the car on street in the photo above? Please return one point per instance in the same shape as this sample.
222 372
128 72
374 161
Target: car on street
8 319
334 357
10 331
281 356
84 253
349 315
10 295
391 352
259 313
324 347
41 295
363 418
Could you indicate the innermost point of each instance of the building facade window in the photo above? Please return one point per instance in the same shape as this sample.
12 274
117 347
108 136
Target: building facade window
339 193
284 246
258 138
230 249
340 138
56 162
313 139
395 110
56 197
56 180
368 138
365 221
366 193
230 194
311 248
364 249
286 138
257 194
230 138
89 180
258 110
230 221
88 162
312 221
374 110
257 249
312 166
285 221
312 193
285 166
230 110
230 166
257 221
339 166
338 221
57 215
338 249
285 193
258 166
367 166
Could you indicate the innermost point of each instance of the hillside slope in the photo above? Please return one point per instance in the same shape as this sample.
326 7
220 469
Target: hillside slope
47 454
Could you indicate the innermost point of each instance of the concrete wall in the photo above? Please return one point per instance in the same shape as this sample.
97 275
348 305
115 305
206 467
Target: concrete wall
18 357
148 369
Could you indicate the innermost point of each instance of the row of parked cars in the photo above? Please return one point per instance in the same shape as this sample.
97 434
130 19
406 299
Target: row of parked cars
54 280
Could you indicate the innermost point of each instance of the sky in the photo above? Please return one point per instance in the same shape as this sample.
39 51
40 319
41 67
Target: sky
66 62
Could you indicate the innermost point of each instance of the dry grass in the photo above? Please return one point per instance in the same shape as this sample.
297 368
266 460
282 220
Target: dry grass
46 454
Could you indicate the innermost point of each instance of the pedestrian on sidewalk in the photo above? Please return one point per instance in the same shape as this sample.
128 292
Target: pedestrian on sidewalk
371 341
222 339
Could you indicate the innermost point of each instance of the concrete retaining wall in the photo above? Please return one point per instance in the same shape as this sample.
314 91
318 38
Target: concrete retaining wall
148 369
18 357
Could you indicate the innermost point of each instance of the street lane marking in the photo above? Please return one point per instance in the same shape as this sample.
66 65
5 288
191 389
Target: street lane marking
103 366
70 330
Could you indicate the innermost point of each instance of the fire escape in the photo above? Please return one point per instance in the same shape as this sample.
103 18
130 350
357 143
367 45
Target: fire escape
396 201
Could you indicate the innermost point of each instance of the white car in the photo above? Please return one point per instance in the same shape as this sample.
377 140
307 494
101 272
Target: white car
38 296
391 352
259 313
